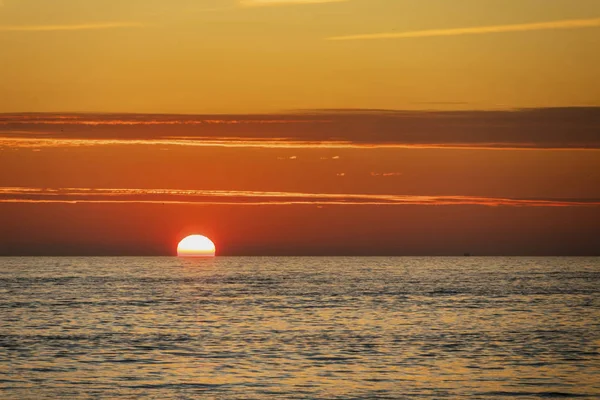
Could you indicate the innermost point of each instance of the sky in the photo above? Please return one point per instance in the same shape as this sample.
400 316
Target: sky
280 127
224 56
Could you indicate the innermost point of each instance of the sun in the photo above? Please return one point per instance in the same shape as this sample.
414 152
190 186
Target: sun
196 246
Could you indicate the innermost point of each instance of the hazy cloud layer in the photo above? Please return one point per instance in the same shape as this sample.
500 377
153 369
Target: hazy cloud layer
235 197
478 30
551 128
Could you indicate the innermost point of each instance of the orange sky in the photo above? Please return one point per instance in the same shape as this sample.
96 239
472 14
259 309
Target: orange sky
326 183
199 56
358 127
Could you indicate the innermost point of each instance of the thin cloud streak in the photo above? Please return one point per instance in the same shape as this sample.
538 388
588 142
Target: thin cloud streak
75 27
235 197
116 122
37 143
479 30
266 3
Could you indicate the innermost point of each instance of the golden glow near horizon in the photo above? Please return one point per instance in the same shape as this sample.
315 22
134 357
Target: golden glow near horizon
247 56
196 246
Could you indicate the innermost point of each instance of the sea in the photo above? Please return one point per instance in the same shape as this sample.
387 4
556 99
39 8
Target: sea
299 328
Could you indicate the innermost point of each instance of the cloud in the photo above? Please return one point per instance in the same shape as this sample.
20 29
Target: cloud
479 30
528 129
265 3
249 198
132 119
36 143
74 27
386 174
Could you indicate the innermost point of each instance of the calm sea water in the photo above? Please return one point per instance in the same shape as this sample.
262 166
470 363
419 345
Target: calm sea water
305 328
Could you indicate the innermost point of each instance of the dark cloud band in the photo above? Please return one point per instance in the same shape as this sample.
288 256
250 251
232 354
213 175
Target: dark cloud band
548 128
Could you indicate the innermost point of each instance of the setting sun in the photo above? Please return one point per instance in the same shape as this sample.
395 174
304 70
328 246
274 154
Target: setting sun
196 246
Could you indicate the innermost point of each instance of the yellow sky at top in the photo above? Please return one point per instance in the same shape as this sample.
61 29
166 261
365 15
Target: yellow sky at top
196 56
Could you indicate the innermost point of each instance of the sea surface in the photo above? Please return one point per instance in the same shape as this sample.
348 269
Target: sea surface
299 328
